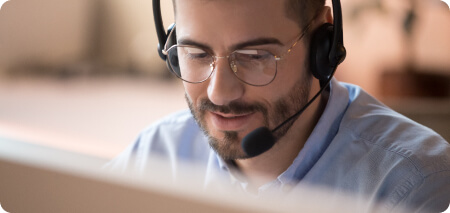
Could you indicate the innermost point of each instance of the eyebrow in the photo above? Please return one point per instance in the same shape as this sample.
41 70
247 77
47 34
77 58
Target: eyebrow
253 42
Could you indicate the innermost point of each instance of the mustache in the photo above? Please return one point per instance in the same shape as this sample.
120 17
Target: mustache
235 107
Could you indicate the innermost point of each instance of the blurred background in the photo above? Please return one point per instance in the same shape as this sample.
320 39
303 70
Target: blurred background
84 75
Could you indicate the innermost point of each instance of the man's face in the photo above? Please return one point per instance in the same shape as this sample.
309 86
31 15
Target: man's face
226 108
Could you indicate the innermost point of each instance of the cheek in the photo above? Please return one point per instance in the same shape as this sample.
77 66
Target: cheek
195 92
291 71
287 77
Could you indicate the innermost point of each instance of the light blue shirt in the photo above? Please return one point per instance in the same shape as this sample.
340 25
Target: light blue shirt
358 146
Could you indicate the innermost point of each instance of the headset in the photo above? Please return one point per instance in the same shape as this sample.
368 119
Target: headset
327 49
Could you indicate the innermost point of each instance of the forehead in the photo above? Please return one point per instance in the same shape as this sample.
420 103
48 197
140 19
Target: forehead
230 21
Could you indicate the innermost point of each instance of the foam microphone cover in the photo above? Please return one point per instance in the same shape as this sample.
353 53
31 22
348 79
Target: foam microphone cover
258 141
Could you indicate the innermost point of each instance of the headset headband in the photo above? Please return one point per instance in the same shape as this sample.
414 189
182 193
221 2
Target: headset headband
160 31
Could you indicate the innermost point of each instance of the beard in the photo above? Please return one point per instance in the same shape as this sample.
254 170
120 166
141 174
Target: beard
228 147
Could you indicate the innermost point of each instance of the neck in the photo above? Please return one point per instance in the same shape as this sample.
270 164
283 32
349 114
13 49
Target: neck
269 165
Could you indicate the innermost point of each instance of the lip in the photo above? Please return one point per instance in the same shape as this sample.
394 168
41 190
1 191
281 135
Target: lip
230 122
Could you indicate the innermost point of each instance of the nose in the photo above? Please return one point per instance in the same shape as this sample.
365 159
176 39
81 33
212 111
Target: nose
224 87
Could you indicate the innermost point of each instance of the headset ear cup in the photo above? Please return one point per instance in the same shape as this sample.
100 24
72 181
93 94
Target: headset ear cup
171 40
321 43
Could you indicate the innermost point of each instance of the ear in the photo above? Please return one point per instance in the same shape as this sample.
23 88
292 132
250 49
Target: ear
325 16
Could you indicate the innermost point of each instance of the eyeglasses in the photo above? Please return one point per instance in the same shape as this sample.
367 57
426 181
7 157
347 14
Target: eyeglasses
252 66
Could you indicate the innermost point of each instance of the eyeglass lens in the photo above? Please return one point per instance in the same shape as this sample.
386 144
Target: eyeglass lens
192 64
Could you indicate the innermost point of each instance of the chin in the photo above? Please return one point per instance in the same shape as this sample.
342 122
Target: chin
227 146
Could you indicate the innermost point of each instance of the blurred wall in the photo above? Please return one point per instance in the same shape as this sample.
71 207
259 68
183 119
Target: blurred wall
128 37
44 32
376 41
118 35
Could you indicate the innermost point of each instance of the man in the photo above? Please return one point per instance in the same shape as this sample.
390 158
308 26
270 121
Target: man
245 64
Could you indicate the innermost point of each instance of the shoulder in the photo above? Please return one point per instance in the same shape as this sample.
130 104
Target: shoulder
368 119
180 118
174 125
410 160
374 123
176 137
176 134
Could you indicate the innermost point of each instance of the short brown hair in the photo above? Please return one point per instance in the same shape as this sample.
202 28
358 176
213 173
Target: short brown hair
300 11
303 11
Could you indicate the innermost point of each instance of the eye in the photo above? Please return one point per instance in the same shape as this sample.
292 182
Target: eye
252 55
195 53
